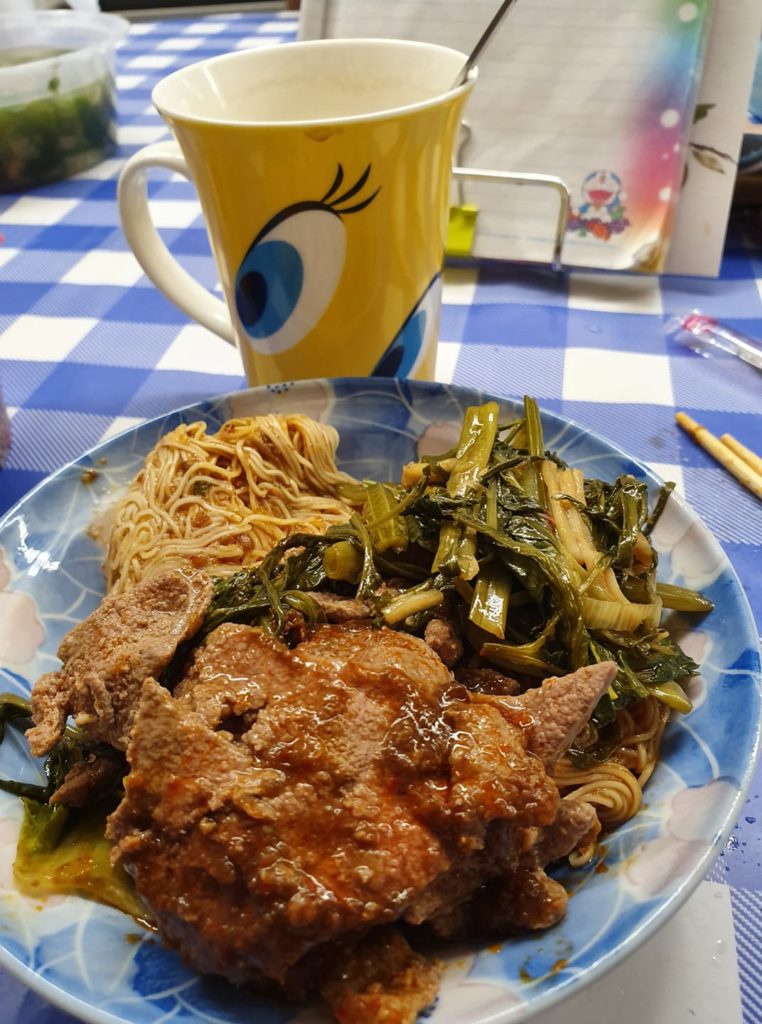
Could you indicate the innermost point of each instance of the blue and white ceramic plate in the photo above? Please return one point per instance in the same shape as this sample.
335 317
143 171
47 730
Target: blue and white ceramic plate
99 965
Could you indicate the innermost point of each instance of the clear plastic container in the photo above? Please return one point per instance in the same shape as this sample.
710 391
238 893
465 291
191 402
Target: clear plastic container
57 94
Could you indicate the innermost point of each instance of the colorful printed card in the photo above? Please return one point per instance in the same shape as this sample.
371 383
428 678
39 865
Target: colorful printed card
600 93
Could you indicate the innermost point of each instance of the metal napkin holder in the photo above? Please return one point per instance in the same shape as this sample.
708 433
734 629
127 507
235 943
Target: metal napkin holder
559 186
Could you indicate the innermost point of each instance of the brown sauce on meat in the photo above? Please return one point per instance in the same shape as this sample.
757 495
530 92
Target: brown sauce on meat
284 806
357 776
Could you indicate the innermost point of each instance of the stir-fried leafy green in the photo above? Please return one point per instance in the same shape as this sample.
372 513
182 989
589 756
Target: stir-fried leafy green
63 849
17 711
542 570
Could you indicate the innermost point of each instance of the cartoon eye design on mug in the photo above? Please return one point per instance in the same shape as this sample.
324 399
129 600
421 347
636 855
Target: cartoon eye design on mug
290 272
413 340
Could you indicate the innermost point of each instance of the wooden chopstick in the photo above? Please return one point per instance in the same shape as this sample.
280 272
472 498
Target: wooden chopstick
727 458
749 457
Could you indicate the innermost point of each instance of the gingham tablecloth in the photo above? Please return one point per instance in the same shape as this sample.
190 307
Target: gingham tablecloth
88 347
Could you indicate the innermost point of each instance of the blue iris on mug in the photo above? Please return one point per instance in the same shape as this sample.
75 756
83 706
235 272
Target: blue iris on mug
268 287
290 272
414 339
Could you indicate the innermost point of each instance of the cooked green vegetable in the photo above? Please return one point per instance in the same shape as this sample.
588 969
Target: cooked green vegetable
522 658
57 135
489 604
456 554
681 599
342 561
673 695
477 437
532 473
77 860
63 849
413 601
17 711
544 569
12 707
388 528
549 570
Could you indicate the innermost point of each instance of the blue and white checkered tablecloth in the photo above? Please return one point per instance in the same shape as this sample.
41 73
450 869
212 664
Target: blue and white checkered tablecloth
88 347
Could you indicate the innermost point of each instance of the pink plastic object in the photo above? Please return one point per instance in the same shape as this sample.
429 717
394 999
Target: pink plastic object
704 334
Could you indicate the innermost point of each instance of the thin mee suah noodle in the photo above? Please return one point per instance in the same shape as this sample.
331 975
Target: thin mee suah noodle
224 500
614 786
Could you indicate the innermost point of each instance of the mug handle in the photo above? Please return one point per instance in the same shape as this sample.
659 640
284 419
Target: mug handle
151 252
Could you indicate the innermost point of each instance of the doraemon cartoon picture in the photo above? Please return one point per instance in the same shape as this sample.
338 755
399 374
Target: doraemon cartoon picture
601 194
602 211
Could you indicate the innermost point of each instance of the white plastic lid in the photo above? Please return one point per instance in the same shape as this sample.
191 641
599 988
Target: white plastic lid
89 40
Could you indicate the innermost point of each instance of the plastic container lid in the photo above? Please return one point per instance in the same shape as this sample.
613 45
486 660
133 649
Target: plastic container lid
89 40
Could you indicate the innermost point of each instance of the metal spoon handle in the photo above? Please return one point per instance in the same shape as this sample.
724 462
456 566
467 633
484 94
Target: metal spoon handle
482 42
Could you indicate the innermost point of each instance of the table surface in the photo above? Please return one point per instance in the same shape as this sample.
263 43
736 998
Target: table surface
88 348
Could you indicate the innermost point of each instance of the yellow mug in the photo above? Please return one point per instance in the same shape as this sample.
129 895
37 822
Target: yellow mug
323 169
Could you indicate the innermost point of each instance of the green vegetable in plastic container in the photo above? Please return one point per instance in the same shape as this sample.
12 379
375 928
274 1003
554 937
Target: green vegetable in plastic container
57 95
57 136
